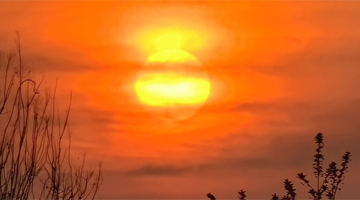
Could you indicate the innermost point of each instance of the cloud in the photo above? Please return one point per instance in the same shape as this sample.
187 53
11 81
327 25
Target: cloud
159 170
319 75
287 144
56 60
281 153
320 57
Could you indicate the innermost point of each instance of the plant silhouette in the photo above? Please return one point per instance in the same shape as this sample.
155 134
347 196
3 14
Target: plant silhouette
327 182
35 160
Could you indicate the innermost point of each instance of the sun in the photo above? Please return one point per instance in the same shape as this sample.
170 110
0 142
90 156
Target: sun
173 79
170 89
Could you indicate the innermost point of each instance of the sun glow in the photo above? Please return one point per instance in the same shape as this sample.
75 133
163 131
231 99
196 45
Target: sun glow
172 78
169 40
158 39
173 56
172 89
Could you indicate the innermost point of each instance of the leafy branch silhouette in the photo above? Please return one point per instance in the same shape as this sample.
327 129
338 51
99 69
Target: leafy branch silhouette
328 182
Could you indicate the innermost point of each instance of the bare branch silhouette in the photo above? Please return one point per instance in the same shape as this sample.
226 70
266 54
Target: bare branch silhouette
35 156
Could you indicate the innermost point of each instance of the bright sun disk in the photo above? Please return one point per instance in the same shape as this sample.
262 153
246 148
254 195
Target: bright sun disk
172 89
172 77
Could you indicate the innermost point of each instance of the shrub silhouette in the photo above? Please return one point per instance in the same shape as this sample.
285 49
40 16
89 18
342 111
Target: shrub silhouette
327 182
35 161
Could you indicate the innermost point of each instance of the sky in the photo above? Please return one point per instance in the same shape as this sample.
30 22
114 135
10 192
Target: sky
280 72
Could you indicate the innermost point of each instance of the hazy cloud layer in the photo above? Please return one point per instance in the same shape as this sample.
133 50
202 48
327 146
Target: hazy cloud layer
310 48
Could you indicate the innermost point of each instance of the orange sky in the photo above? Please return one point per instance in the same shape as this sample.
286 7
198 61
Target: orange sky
280 72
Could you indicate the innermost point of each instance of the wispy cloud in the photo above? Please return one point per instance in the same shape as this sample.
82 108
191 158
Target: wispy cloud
289 71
